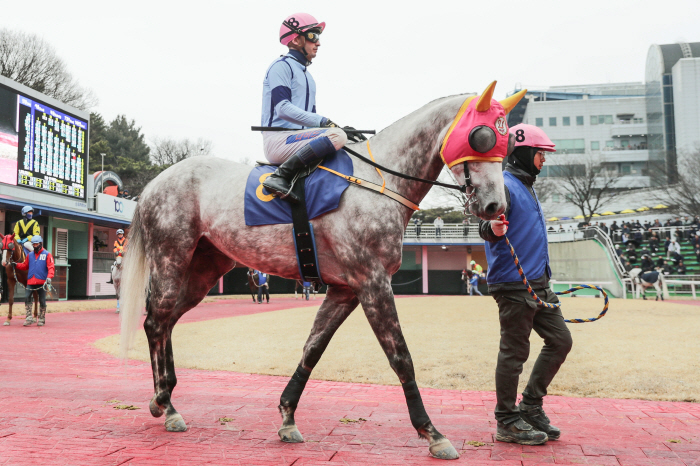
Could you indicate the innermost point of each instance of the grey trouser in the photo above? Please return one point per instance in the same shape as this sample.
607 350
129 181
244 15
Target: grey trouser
519 314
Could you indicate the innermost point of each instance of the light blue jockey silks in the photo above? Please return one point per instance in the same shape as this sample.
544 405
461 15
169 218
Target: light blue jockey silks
528 235
289 94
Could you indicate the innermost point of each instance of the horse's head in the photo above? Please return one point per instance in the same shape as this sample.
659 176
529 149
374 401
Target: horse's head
634 273
119 260
474 148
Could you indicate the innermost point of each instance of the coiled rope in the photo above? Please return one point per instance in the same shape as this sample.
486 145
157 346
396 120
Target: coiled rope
570 290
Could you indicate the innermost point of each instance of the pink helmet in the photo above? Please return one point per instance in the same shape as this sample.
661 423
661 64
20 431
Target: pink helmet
531 136
296 24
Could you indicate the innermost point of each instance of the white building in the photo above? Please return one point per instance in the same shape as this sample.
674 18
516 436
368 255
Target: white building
686 96
607 121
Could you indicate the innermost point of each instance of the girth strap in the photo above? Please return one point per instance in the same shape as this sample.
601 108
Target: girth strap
304 241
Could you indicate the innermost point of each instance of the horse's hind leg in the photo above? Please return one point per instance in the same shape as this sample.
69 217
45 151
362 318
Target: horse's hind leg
339 303
377 301
171 297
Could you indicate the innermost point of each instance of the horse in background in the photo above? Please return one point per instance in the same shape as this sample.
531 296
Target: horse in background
13 252
647 280
253 283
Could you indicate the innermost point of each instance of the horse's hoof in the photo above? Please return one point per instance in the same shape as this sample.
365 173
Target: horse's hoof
7 322
175 423
156 411
290 434
443 449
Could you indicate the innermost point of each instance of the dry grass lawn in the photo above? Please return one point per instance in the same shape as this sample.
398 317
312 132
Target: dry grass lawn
641 349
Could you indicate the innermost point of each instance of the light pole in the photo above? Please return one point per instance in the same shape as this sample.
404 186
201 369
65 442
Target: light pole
102 177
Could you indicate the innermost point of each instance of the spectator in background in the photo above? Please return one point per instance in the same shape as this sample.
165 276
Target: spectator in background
628 266
695 242
605 228
678 235
417 223
644 252
672 249
439 223
631 253
656 224
667 269
613 229
618 250
465 227
660 262
561 229
647 265
551 228
263 287
697 254
680 270
654 242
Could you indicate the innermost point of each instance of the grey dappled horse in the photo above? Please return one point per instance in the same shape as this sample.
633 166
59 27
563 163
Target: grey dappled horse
189 230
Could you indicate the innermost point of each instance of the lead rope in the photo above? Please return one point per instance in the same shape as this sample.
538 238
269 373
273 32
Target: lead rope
570 290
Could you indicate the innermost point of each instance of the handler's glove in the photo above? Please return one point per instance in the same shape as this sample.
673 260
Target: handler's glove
354 137
48 280
500 225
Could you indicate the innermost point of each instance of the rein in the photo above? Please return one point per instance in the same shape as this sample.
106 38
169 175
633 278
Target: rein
570 290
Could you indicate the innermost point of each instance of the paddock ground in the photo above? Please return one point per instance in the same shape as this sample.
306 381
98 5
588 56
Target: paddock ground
640 350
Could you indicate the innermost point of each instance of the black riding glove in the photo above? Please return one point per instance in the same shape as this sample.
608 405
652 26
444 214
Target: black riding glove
354 137
327 123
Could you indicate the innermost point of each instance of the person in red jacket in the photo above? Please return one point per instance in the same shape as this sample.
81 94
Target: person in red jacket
40 271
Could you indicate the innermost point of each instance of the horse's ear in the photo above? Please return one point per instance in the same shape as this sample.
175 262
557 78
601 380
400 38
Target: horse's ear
484 103
509 103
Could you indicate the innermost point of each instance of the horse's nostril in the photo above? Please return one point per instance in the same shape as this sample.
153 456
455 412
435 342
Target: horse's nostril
491 208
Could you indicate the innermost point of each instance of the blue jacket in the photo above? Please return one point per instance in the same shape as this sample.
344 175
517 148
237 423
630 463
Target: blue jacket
289 94
527 233
262 278
39 266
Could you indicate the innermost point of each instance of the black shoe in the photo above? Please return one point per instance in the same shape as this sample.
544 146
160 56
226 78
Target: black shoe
110 282
280 182
520 432
535 416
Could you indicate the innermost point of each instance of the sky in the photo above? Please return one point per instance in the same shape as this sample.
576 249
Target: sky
195 69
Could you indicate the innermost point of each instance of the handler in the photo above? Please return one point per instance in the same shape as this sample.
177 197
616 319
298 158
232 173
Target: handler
26 228
41 270
263 287
289 101
519 314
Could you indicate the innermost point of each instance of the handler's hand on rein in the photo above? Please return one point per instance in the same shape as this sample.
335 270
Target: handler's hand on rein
499 226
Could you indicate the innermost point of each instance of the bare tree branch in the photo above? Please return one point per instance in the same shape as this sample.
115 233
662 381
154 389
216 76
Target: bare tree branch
586 182
167 151
29 60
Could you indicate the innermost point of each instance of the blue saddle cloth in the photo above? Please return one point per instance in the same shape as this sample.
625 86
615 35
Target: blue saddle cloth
650 277
323 191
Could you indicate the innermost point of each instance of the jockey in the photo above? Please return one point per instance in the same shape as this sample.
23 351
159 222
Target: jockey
119 250
289 101
40 271
519 314
26 228
476 268
120 243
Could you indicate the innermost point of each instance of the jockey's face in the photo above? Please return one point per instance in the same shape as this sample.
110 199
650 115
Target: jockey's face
120 235
539 159
311 48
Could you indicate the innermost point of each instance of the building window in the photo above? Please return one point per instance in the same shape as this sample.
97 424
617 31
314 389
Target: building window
595 145
538 122
626 169
594 119
556 198
552 121
579 121
601 119
625 143
570 146
566 121
609 144
608 119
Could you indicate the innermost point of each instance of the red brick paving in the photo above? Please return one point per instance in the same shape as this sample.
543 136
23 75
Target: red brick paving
57 392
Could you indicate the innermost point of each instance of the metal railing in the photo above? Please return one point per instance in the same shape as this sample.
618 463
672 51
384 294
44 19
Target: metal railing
450 231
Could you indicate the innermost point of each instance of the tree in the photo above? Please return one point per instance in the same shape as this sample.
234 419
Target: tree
170 151
585 180
683 197
126 140
29 60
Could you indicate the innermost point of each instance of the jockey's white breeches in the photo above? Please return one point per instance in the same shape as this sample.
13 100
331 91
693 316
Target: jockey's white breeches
279 146
28 246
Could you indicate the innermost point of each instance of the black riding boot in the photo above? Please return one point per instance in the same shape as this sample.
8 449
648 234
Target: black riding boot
280 182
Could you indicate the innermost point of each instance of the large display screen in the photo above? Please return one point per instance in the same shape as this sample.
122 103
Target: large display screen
41 147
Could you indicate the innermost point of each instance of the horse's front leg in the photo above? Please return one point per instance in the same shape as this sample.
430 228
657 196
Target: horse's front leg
339 303
377 299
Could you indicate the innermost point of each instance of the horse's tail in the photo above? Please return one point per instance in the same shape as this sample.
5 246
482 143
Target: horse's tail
133 285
